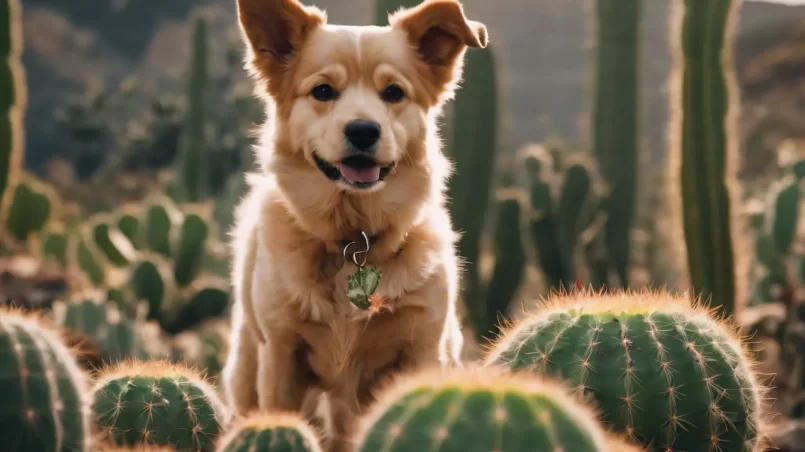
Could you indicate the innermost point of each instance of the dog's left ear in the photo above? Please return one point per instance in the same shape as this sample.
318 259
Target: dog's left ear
275 30
439 30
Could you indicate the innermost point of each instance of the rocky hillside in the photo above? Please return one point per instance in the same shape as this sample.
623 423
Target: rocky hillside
544 49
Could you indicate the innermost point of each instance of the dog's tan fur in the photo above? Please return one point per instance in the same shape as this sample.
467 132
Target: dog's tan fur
295 333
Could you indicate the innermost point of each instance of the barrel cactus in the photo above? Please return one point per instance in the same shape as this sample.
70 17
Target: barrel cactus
661 370
270 433
479 410
158 403
45 406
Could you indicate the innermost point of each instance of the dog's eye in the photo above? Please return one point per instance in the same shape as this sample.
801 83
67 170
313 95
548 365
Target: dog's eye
392 94
324 92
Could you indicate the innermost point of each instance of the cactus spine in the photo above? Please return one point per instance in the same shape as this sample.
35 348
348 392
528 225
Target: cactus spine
195 174
704 147
270 433
45 406
616 122
157 403
12 83
662 372
479 410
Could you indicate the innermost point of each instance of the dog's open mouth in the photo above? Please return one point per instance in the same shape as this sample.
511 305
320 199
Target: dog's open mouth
358 170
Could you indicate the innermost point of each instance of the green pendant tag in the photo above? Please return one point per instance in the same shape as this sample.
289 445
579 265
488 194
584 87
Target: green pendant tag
361 285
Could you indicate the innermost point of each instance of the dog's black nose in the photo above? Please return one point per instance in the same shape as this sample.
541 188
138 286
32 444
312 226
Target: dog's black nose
362 134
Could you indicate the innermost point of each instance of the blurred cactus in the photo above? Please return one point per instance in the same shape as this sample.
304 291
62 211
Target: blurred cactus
204 348
45 406
193 168
662 372
157 403
14 99
473 145
116 336
705 146
270 433
615 120
565 212
32 205
487 304
385 7
479 409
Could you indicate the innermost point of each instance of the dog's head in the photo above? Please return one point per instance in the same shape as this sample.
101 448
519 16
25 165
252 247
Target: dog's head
354 103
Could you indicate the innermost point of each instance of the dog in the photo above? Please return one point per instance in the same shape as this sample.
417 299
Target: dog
352 175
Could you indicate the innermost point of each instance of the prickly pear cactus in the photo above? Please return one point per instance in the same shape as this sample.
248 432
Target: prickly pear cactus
204 348
45 406
116 336
660 371
32 204
270 433
479 410
155 402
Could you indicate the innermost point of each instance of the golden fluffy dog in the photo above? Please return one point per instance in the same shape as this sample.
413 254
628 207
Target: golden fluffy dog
350 147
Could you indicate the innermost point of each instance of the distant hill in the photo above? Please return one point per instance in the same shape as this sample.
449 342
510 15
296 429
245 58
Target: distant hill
542 46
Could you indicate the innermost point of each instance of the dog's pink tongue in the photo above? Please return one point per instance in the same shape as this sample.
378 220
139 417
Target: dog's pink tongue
360 175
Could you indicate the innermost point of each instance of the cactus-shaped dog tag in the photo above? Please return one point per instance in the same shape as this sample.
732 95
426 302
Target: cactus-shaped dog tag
361 285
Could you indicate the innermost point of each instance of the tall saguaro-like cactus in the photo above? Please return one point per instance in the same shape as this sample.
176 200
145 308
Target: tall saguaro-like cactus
704 146
615 120
13 95
194 162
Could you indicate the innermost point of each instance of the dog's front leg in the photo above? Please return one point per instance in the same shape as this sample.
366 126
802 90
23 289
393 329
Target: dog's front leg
282 377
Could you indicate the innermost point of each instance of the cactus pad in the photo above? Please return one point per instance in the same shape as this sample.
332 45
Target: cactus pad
44 403
155 402
479 410
662 372
271 433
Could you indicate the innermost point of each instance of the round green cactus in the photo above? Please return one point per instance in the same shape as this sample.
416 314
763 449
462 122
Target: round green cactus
270 433
45 407
157 403
662 371
479 410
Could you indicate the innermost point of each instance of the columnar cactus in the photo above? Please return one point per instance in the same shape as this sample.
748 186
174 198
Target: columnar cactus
615 121
195 174
661 371
155 402
704 150
565 204
12 83
270 433
473 144
510 262
479 410
45 403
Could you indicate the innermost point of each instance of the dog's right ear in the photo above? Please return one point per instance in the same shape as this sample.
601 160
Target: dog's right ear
275 30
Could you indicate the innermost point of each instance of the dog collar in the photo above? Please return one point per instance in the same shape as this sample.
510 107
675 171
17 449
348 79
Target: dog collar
357 251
